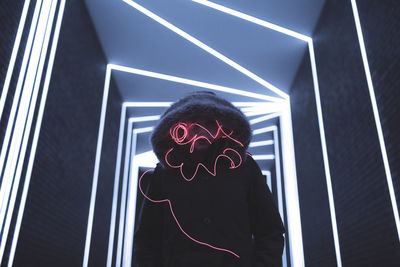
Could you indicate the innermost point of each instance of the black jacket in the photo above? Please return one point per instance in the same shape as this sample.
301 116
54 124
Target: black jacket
225 218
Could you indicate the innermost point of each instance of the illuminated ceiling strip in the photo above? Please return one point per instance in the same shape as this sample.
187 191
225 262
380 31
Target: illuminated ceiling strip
264 118
261 143
264 130
193 82
147 104
96 167
14 107
318 104
145 118
375 110
13 56
36 134
263 157
257 113
205 47
143 130
24 119
254 20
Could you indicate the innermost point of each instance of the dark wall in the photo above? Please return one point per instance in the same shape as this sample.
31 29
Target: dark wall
366 226
54 225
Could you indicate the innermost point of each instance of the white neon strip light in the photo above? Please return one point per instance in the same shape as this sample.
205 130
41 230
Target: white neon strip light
116 187
264 130
325 155
145 118
264 118
96 168
16 140
147 104
254 20
257 113
13 56
43 39
291 192
263 157
143 130
376 117
207 48
6 180
269 180
130 143
278 172
193 82
36 134
261 143
131 205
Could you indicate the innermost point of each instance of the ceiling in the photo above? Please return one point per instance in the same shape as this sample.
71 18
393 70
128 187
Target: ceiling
175 38
133 39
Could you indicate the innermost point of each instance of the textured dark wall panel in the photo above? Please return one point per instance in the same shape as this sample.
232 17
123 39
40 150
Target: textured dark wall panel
54 226
314 205
380 23
367 231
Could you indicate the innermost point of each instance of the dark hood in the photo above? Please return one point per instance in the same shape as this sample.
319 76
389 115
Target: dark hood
207 105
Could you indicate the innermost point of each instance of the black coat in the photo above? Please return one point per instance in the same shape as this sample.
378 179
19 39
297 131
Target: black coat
220 214
224 211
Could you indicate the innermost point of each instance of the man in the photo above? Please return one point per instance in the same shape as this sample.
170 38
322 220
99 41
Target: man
207 203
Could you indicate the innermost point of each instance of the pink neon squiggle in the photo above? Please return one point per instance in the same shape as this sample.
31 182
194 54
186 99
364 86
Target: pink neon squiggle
177 222
175 135
214 172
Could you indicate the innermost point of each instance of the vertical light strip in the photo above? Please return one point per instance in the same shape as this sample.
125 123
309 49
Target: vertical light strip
278 172
269 179
116 186
5 181
124 189
208 49
325 154
291 192
96 168
16 140
376 117
36 134
48 25
13 58
131 206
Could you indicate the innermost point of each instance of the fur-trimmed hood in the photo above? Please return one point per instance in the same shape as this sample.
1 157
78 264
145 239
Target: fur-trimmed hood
205 105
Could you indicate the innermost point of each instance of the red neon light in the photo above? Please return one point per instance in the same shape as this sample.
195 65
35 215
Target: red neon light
177 222
214 172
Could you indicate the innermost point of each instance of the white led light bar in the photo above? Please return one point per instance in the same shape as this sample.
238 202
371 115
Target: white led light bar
207 48
36 132
193 82
378 124
261 143
13 56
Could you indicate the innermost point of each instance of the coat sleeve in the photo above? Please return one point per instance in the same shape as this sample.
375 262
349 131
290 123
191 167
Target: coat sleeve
265 222
147 248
